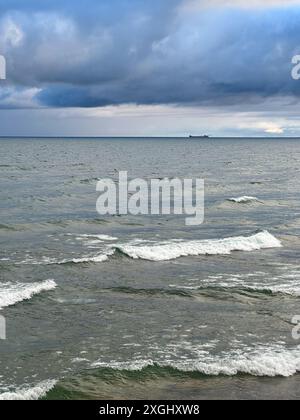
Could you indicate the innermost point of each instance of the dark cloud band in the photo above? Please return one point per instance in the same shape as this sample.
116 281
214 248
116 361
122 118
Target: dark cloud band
110 53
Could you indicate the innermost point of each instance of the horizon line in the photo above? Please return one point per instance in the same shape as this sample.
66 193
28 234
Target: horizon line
151 137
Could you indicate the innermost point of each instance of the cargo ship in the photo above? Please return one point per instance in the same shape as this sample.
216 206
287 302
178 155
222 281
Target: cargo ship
205 136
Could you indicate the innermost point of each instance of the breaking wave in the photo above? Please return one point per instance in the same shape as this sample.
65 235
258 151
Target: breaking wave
54 261
243 200
268 361
161 251
34 393
10 293
285 280
165 251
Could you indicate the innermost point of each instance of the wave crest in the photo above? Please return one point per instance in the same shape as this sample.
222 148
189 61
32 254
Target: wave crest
10 294
269 361
166 251
243 200
34 393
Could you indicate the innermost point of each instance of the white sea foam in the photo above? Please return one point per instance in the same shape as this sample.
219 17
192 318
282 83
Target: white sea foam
26 393
271 361
285 280
170 250
292 289
100 237
79 360
96 259
243 200
99 258
10 293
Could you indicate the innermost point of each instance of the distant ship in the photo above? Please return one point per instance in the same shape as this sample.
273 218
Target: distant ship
205 136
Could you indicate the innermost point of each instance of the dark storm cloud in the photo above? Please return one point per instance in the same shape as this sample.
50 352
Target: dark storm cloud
97 53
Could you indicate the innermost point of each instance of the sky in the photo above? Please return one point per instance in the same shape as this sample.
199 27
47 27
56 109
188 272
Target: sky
149 68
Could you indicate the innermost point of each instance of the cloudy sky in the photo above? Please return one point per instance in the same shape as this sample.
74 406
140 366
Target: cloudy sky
149 68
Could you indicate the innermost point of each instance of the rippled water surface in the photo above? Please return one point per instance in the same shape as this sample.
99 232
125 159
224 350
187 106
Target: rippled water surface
146 307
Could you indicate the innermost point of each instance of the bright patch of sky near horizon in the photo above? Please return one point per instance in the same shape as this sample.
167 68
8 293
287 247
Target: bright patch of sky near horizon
144 68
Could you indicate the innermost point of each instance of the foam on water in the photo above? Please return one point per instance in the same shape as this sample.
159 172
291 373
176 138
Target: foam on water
100 237
55 261
26 393
243 200
165 251
270 361
10 293
285 281
96 259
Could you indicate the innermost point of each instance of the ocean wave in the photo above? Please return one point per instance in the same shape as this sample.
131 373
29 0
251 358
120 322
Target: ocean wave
100 237
82 260
268 361
155 292
95 259
243 200
27 393
160 251
10 293
166 251
286 281
284 289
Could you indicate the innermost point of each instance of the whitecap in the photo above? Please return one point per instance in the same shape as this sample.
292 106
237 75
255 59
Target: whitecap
10 293
284 281
27 393
99 258
166 251
243 200
100 237
265 360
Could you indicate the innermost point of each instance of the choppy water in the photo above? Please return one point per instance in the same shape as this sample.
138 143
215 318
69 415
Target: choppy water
145 307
